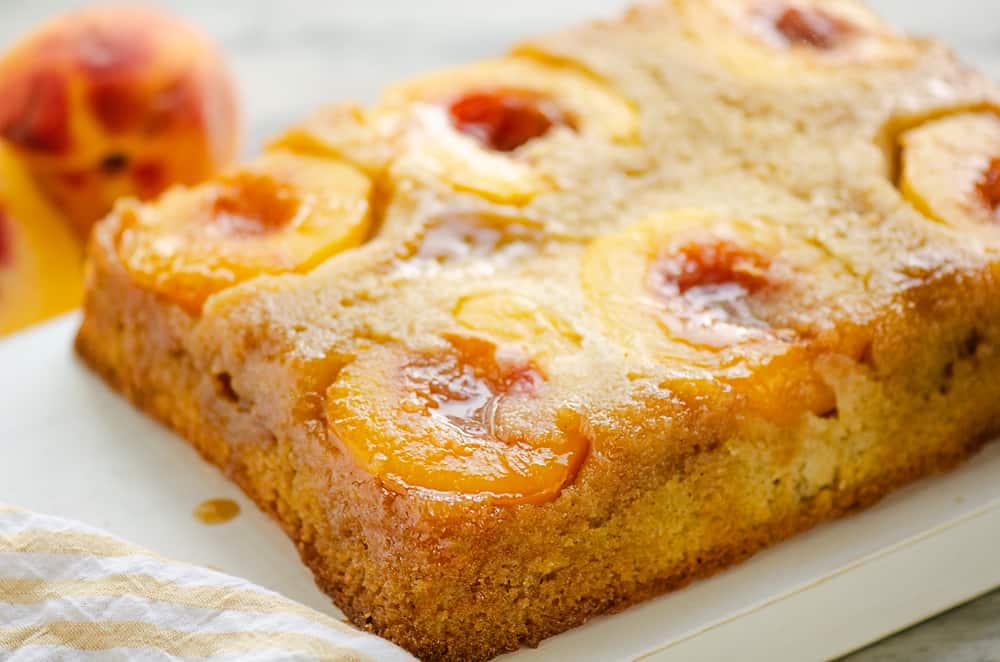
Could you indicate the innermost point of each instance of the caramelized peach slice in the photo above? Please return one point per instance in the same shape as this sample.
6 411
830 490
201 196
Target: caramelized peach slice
768 36
700 293
469 125
691 279
707 264
950 169
279 213
516 86
41 265
463 421
432 151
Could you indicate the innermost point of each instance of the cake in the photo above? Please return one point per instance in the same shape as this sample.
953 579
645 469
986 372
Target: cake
540 337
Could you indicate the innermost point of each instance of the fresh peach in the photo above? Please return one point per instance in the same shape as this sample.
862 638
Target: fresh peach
112 101
41 271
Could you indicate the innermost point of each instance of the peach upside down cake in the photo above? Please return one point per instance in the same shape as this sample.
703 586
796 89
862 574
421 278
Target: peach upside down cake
540 337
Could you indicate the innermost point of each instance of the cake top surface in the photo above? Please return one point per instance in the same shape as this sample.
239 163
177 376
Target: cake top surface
670 220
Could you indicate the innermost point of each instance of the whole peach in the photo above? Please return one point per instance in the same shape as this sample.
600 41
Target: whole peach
117 100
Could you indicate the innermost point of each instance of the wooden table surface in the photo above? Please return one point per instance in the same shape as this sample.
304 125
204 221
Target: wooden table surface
295 55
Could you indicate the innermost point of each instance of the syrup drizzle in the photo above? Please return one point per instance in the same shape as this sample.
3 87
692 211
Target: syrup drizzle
703 292
216 511
465 392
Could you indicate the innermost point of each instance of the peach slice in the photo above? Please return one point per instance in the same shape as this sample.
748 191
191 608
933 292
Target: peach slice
105 102
523 87
768 36
432 151
690 278
469 125
950 169
41 265
462 421
514 318
700 293
280 213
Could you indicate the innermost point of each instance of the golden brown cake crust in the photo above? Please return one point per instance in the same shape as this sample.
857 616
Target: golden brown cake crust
683 476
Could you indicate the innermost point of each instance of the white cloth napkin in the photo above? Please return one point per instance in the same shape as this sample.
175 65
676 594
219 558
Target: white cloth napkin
72 592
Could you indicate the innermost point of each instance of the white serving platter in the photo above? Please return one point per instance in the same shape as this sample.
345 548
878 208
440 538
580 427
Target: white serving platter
71 447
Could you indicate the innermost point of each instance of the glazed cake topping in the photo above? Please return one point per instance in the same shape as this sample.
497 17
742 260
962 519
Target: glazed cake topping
709 264
703 286
812 38
465 393
704 294
479 128
518 320
505 119
691 278
506 103
462 236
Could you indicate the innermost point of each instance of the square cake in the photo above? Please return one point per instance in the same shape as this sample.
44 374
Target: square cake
540 337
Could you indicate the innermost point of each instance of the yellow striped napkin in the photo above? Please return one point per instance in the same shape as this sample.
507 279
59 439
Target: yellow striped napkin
72 592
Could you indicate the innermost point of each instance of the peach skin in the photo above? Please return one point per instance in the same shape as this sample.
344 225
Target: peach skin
112 101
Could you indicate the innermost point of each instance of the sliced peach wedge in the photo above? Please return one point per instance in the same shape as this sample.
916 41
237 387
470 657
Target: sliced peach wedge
41 264
467 418
470 125
950 169
279 213
769 36
705 296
